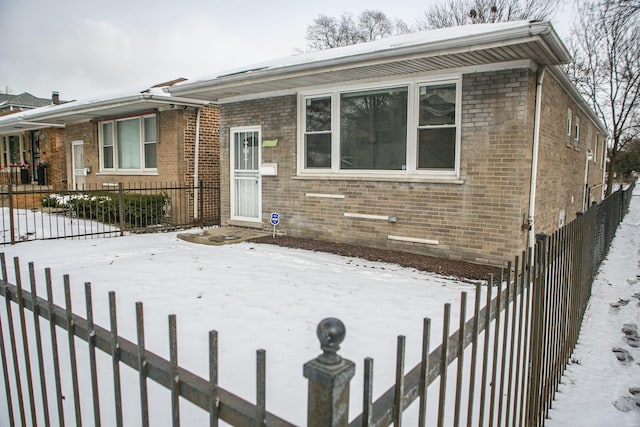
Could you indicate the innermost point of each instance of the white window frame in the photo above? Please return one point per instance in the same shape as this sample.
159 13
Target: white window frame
596 141
569 130
114 140
4 150
411 171
576 141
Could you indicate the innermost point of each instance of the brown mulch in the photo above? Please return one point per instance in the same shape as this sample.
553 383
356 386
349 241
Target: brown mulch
445 267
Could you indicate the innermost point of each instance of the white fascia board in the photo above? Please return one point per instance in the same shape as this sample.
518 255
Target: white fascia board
525 32
59 112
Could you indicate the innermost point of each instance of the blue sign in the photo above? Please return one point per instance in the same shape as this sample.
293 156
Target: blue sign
275 218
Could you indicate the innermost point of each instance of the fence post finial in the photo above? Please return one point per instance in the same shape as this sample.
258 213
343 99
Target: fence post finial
329 376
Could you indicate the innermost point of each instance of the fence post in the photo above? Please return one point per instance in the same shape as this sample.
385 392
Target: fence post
11 218
200 219
121 207
329 376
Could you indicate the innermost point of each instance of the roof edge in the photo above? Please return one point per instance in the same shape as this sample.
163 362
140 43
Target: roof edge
543 30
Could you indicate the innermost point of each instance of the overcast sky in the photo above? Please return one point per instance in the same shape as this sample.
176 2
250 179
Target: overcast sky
83 48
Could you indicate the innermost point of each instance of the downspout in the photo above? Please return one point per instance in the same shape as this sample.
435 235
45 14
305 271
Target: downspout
534 157
195 168
586 192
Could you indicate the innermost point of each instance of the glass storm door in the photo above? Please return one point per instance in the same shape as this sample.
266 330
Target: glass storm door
245 175
77 159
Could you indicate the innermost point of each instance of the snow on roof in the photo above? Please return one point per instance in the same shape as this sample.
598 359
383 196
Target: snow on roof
111 98
421 38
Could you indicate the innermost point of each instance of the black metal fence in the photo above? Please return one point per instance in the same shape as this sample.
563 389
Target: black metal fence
510 355
30 212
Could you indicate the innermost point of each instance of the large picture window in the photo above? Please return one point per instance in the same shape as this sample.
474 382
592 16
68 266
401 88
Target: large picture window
410 127
373 129
129 144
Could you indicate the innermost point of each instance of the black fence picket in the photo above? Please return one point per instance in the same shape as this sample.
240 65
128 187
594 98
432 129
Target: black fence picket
32 212
524 337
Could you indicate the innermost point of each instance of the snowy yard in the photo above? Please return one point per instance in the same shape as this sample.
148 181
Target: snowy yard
267 297
256 297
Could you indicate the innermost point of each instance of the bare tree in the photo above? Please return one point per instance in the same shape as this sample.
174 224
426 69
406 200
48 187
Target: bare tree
328 32
462 12
605 44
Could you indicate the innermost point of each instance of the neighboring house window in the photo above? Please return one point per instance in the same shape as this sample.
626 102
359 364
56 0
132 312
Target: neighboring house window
13 150
410 127
569 126
576 141
129 144
596 142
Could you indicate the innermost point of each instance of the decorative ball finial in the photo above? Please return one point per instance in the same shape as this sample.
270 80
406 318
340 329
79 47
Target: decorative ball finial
331 333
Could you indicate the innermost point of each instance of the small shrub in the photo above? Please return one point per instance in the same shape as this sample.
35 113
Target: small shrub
140 210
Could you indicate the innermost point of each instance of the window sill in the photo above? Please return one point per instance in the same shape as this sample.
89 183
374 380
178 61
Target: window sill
377 178
127 173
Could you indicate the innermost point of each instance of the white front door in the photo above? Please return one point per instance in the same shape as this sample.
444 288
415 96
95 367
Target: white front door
77 160
246 188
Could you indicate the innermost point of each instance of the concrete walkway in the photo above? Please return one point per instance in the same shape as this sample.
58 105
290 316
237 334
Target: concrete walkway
218 236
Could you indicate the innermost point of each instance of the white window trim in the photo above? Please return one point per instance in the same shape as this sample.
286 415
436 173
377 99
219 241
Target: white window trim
4 149
411 171
569 130
576 141
125 171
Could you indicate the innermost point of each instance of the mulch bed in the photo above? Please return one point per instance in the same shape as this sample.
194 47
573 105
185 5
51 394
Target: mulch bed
445 267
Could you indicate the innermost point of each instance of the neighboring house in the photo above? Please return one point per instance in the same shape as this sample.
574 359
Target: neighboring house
18 147
459 142
138 138
25 101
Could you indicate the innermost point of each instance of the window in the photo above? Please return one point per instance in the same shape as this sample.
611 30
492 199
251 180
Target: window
569 127
576 141
410 127
437 127
373 129
129 144
317 135
13 150
596 142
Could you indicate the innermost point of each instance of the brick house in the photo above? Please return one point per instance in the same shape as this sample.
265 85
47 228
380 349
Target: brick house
17 146
137 138
132 137
459 143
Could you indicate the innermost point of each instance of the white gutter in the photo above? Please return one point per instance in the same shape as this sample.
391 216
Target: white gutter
534 158
196 168
346 57
88 107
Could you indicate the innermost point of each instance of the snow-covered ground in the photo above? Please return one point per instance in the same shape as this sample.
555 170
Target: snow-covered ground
267 297
595 389
256 297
